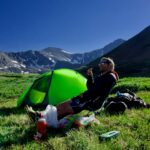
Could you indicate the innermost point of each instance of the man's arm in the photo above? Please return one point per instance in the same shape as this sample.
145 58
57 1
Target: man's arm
90 78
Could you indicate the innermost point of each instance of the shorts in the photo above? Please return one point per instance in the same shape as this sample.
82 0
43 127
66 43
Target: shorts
76 105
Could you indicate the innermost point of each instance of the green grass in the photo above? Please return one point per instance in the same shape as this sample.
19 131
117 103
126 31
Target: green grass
16 131
134 84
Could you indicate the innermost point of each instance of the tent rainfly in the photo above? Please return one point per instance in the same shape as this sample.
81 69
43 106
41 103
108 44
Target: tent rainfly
53 88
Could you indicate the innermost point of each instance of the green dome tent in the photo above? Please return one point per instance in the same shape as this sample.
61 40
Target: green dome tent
53 87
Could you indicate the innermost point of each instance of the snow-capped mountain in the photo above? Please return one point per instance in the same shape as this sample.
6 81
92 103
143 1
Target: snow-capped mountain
49 58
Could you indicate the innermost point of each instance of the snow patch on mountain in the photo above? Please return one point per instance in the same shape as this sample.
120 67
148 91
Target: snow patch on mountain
49 58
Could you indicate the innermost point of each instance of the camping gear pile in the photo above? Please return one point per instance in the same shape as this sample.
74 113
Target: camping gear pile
123 100
64 124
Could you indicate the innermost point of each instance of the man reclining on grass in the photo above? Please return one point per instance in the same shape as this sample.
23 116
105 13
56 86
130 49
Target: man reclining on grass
92 99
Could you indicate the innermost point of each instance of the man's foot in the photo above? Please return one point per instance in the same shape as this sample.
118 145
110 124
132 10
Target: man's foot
33 115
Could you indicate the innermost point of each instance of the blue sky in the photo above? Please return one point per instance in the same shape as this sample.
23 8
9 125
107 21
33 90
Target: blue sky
73 25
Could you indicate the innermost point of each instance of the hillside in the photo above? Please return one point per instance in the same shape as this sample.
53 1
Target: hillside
132 58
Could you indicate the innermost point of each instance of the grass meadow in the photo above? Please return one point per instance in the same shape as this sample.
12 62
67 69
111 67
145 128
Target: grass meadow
16 130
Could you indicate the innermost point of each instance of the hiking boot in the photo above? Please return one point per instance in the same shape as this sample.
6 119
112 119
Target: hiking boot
33 115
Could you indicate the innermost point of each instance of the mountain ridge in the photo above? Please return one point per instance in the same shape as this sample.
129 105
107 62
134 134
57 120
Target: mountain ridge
132 58
32 61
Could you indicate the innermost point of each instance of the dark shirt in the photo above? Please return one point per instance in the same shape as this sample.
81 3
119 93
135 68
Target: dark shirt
98 90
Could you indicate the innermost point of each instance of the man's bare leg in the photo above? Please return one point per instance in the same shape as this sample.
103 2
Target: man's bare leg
64 109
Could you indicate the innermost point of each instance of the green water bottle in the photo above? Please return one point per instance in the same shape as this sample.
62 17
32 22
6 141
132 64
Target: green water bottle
109 135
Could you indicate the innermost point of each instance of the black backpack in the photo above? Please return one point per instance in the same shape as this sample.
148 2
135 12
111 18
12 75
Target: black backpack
122 100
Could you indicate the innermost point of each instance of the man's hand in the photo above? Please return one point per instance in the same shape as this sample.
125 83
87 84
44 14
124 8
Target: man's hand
90 72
